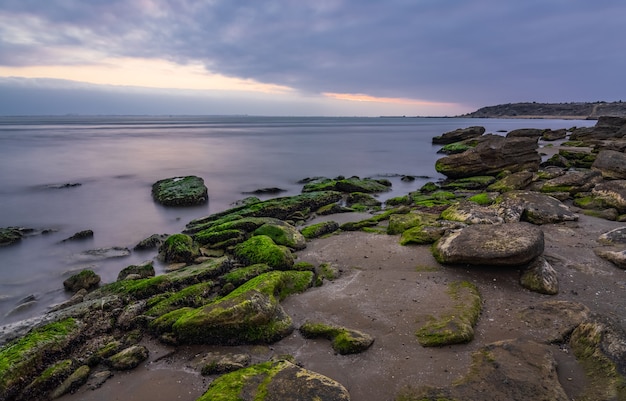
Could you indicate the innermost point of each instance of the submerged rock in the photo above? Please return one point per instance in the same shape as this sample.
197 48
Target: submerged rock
10 235
180 191
86 279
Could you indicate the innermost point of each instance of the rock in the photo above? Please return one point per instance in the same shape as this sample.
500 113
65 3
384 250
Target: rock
180 191
600 347
81 235
606 128
144 270
103 253
510 244
422 235
152 242
73 382
618 258
613 237
215 363
348 185
533 207
21 359
282 233
611 164
456 326
179 248
458 135
360 198
344 341
265 191
553 321
128 358
77 298
319 229
492 155
515 181
10 235
49 379
573 182
400 222
86 279
540 277
262 249
277 380
612 193
471 213
503 371
249 314
553 135
534 133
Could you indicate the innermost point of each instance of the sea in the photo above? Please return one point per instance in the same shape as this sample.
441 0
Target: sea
60 175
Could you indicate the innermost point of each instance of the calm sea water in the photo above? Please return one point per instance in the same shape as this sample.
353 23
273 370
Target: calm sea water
117 159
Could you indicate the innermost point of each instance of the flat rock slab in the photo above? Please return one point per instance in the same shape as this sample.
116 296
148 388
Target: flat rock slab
511 244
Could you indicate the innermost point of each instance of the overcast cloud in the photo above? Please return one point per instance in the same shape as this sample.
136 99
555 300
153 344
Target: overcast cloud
472 53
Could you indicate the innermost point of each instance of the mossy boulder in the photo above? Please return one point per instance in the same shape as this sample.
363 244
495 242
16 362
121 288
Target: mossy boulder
179 248
274 380
250 314
432 199
398 223
49 379
510 244
23 359
582 158
519 180
422 235
279 208
319 229
143 270
344 341
472 213
87 279
468 183
612 193
73 382
262 249
193 296
458 147
282 233
128 358
10 235
457 326
533 207
180 191
348 185
360 198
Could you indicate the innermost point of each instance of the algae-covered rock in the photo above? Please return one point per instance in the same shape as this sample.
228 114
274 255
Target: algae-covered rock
540 277
422 235
319 229
600 347
400 222
274 380
86 279
73 382
457 326
613 193
511 244
502 371
360 198
10 235
179 248
347 185
472 213
344 341
180 191
249 314
49 379
459 134
23 359
282 233
515 181
128 358
262 249
144 270
533 207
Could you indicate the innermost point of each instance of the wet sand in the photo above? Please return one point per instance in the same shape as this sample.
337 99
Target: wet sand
387 290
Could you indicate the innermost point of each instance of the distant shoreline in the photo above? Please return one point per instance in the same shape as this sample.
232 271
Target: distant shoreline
565 111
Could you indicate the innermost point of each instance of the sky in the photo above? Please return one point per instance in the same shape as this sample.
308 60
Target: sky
306 57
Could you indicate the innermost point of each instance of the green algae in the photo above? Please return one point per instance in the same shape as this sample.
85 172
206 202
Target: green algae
179 248
262 249
319 229
456 326
24 357
180 191
344 341
483 199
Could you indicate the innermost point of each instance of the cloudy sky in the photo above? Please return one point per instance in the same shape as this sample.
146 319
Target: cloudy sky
306 57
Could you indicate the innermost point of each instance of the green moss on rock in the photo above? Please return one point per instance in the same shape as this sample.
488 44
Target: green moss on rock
319 229
344 341
458 325
180 191
262 249
179 248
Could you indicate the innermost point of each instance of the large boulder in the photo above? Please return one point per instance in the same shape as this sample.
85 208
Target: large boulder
534 133
606 128
180 191
275 380
262 249
458 135
511 244
611 164
250 314
492 155
533 207
612 193
572 182
86 279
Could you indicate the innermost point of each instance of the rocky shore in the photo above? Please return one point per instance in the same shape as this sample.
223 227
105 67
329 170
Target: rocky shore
504 281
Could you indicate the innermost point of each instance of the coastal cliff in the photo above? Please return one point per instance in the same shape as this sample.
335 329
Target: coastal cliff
578 110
